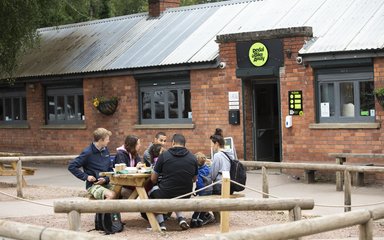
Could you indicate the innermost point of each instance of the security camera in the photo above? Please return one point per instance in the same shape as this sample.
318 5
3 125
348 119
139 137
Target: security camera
222 65
299 60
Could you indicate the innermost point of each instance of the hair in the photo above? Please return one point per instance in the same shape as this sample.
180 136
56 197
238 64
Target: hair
218 131
178 139
159 134
218 139
100 134
200 155
154 151
130 144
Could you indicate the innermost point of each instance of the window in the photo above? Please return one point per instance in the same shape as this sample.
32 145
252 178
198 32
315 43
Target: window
13 107
64 105
345 95
165 100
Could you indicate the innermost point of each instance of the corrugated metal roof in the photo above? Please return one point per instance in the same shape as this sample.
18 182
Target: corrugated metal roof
187 35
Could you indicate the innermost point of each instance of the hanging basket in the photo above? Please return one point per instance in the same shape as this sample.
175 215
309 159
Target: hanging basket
380 99
108 107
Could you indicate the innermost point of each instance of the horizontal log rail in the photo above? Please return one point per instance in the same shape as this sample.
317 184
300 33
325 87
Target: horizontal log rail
23 231
175 205
306 227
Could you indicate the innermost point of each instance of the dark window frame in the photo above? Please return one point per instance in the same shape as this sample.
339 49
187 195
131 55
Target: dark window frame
65 92
337 76
12 94
165 83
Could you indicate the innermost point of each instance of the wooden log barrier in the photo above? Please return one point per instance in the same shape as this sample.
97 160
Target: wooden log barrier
225 192
174 205
265 182
300 228
22 231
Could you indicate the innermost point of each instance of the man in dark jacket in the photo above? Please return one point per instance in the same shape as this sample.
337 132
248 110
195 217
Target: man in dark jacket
93 160
178 168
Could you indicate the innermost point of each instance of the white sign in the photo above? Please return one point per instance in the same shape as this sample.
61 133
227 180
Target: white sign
233 103
233 96
234 107
324 109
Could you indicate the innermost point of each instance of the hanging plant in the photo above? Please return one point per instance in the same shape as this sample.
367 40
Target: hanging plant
379 93
105 105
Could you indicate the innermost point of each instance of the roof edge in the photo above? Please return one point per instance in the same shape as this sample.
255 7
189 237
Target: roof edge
267 34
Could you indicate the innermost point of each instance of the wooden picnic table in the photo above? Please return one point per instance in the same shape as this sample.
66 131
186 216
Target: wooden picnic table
137 180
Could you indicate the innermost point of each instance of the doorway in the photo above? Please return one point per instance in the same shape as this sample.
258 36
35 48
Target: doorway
266 124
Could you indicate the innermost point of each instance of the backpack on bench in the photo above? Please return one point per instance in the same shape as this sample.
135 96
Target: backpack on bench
110 223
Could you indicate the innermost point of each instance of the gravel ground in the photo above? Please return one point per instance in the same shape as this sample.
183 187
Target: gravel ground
137 228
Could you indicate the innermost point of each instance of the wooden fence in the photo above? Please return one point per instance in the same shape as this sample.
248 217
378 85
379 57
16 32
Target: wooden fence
23 231
339 169
19 167
306 227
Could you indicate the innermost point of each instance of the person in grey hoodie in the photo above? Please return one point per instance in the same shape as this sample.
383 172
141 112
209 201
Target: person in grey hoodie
220 161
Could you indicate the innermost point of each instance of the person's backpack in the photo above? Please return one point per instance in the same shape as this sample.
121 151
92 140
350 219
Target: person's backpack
110 223
237 173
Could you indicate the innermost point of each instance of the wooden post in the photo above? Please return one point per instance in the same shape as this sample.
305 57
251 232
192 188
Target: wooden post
339 174
19 178
225 193
366 230
295 214
265 182
347 191
74 220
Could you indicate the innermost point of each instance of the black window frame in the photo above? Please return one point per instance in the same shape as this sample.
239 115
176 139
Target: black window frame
64 91
166 83
14 93
354 75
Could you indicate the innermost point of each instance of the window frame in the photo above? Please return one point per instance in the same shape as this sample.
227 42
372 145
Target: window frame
338 76
64 91
165 83
17 93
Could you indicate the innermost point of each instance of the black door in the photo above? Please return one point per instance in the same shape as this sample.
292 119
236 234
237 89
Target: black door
266 122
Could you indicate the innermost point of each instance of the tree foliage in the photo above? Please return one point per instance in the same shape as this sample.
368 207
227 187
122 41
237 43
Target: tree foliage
21 18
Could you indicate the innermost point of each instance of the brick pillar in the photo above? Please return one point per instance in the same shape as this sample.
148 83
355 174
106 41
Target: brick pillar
156 7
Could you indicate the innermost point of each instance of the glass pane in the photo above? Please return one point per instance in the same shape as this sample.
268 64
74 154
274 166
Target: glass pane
16 109
24 108
186 103
51 108
347 104
158 97
8 109
1 110
80 102
60 108
71 108
367 99
173 106
146 105
327 100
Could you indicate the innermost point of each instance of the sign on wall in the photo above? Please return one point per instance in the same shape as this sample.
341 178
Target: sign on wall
295 103
258 54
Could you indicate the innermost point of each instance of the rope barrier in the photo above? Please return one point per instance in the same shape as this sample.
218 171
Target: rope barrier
26 200
196 191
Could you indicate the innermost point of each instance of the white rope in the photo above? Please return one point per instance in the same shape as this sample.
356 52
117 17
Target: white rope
26 200
201 189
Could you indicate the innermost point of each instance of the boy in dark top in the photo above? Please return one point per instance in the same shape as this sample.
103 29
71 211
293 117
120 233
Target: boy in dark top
93 160
178 168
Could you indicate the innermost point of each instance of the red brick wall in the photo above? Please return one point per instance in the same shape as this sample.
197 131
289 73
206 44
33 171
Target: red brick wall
156 7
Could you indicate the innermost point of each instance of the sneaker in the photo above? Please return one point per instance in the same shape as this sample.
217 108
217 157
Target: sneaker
162 226
183 223
193 223
208 218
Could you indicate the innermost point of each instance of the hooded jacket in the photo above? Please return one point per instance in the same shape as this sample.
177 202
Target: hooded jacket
178 167
122 156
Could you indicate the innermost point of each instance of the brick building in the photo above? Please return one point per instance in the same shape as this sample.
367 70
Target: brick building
243 66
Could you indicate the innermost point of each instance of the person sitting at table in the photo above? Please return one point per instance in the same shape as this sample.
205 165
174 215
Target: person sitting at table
154 152
160 138
178 170
128 154
93 160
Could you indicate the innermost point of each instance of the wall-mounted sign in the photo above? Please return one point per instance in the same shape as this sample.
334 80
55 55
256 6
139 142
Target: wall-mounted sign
258 54
295 102
233 100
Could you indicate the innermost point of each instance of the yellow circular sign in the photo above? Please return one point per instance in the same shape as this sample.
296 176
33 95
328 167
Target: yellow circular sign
258 54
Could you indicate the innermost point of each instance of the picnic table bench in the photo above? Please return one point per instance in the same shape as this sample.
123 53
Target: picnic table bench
11 170
358 179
